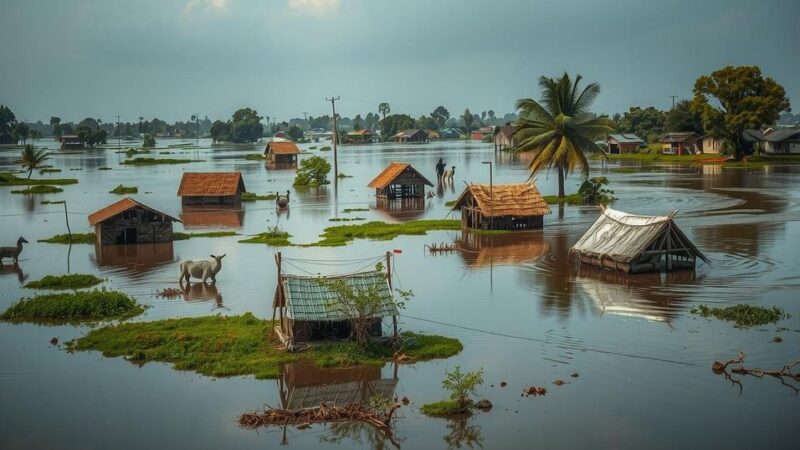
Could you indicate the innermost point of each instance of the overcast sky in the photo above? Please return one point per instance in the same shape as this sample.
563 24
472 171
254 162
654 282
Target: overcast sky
170 58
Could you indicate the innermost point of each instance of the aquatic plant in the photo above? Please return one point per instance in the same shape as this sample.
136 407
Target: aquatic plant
743 315
38 189
51 202
349 210
154 161
105 168
68 281
73 307
237 345
252 196
9 179
179 236
325 148
77 238
274 237
342 234
461 385
254 156
121 190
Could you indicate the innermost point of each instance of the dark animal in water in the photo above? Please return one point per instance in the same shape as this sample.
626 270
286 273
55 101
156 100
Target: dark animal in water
282 201
12 252
201 269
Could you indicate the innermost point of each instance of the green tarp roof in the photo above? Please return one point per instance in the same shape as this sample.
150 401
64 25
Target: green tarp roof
307 299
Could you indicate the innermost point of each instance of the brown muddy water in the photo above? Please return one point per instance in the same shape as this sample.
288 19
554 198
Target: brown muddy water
523 312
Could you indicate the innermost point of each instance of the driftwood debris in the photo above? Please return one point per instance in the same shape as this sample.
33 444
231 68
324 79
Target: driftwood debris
441 248
324 413
170 293
721 368
534 391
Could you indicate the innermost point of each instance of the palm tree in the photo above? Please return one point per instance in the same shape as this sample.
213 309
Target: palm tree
31 159
560 128
384 109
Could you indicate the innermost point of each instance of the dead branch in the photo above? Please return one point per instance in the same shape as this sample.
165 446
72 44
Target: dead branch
324 413
784 372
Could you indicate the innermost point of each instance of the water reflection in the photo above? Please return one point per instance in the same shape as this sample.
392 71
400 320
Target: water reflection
14 269
463 435
400 208
480 250
359 434
304 385
211 216
201 292
136 260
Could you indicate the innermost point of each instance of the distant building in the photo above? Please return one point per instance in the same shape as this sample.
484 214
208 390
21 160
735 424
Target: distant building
475 136
504 137
413 136
781 142
679 143
516 206
71 142
400 180
281 152
361 137
130 222
710 145
202 188
623 143
450 133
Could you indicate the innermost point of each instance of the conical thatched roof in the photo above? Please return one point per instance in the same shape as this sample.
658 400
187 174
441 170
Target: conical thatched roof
516 199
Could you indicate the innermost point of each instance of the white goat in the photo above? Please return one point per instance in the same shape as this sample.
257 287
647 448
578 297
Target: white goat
201 269
448 174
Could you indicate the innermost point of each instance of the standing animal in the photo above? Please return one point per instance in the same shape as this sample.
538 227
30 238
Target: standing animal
448 174
201 269
12 252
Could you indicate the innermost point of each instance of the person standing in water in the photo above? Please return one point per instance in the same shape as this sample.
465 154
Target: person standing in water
440 169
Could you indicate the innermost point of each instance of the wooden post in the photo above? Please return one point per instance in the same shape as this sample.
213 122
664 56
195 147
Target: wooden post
66 217
278 263
389 279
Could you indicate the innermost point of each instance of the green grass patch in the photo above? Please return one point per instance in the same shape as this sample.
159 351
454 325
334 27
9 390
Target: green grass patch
479 231
444 408
154 161
49 170
451 203
349 210
38 189
342 234
345 219
69 281
743 315
8 179
179 236
571 199
252 197
77 238
73 307
222 346
344 175
105 168
254 156
121 190
51 202
325 148
275 238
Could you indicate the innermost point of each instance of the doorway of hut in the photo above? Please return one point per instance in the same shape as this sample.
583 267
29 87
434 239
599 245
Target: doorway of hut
127 236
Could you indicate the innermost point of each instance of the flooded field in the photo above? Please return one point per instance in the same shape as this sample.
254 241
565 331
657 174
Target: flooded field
524 312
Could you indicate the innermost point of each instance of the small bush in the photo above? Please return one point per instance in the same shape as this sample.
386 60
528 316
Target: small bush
593 192
69 281
461 386
121 190
149 141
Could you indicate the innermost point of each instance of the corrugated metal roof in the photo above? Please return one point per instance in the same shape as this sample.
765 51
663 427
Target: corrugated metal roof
780 135
211 184
627 138
517 199
392 171
307 299
120 207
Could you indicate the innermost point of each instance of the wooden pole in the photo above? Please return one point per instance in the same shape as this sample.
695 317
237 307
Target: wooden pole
389 279
66 217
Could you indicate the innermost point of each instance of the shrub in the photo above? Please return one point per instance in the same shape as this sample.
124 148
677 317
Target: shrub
69 281
313 171
120 190
149 141
593 192
73 307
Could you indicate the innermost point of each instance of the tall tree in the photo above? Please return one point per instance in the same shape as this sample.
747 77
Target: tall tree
55 122
733 99
384 109
31 159
681 118
468 119
7 123
440 116
561 128
647 123
22 131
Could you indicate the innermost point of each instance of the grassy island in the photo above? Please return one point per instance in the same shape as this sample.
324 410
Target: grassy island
154 161
8 179
121 190
275 238
252 196
39 189
77 238
179 236
342 234
222 346
73 307
69 281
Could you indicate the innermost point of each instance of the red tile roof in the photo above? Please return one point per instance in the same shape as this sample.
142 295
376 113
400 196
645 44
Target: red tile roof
391 172
282 148
119 207
210 184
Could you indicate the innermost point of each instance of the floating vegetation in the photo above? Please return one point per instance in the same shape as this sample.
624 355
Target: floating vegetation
39 189
73 307
154 161
170 293
121 190
274 237
451 203
252 196
442 408
342 234
534 391
349 210
254 156
52 202
222 346
77 238
571 199
743 315
130 151
325 148
68 281
105 168
179 236
49 170
8 179
345 219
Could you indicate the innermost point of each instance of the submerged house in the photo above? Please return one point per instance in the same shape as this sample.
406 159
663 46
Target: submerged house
399 180
130 222
517 206
71 142
281 152
413 136
504 137
361 137
217 188
623 143
308 310
679 143
634 244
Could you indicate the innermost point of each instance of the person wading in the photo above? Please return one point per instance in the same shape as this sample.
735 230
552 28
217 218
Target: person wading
440 169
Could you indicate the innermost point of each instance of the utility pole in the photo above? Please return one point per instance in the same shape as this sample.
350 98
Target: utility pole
673 97
197 123
119 133
335 137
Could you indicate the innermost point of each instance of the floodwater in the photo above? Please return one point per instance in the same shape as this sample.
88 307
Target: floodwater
524 312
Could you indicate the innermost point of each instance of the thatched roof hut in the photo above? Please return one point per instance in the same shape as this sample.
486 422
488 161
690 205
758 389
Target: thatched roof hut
633 243
517 206
399 180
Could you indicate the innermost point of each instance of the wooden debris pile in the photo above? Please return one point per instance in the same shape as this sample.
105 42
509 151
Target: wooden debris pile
324 413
